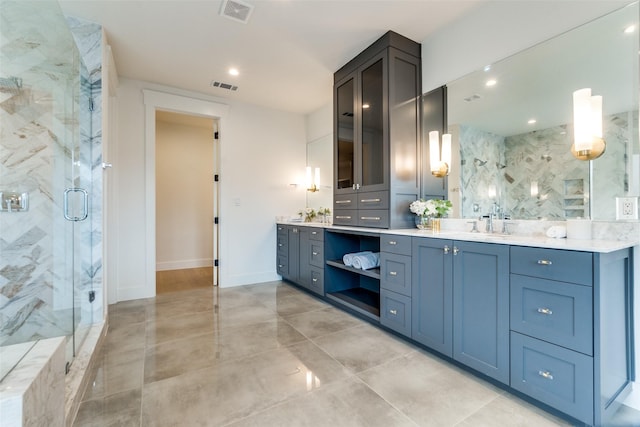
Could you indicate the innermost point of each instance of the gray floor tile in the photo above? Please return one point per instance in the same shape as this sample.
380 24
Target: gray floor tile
234 390
347 403
428 391
121 409
322 322
362 347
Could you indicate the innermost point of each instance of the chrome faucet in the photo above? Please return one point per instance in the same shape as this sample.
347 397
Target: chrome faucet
488 223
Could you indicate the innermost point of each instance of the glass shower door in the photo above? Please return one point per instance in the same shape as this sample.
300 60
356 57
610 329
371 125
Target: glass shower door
46 260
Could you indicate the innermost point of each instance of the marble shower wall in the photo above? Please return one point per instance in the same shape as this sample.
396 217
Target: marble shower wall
39 102
482 156
537 177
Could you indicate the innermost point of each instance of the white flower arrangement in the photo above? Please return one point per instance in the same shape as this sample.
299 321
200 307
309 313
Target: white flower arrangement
432 208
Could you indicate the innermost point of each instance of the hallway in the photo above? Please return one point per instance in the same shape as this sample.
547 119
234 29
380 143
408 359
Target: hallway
271 355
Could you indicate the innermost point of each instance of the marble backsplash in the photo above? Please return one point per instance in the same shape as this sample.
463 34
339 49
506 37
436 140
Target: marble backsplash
534 175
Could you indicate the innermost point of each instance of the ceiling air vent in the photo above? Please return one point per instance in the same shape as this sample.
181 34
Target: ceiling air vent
236 10
472 98
223 85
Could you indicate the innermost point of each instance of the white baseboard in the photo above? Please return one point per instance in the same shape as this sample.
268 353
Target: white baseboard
247 279
183 264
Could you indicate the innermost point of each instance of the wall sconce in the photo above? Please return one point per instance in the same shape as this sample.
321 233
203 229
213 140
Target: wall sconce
439 165
313 185
588 143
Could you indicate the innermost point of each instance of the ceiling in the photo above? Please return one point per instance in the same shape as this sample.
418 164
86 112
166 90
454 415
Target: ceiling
286 53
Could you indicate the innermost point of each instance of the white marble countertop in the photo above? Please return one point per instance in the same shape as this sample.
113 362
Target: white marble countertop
536 240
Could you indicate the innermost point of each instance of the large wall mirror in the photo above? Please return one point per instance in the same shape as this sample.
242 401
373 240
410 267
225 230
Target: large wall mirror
320 155
514 134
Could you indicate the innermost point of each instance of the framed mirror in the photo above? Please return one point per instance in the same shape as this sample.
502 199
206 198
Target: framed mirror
512 124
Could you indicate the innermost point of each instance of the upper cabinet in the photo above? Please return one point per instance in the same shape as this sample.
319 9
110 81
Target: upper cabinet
377 135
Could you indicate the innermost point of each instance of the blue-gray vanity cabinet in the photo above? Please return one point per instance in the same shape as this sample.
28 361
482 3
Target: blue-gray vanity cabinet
377 120
481 307
282 251
395 283
311 264
571 339
300 256
432 294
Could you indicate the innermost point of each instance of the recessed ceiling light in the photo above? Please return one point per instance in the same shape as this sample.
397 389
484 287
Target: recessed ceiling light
491 82
365 105
234 71
487 68
630 29
532 121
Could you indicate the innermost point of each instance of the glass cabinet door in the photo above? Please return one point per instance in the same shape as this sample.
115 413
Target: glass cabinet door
372 122
345 163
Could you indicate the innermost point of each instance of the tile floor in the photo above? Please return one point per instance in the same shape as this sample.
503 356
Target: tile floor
271 355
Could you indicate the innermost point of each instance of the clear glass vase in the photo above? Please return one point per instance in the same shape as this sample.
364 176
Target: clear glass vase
423 222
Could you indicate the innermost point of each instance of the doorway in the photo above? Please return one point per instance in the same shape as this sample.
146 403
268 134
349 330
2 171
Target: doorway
186 202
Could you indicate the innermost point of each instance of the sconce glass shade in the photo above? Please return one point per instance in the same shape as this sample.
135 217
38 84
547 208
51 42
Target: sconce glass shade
312 184
439 165
587 125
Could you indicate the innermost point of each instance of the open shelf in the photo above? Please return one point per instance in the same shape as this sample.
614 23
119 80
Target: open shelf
372 272
362 300
357 289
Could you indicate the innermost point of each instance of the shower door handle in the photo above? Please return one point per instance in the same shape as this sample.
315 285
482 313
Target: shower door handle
85 204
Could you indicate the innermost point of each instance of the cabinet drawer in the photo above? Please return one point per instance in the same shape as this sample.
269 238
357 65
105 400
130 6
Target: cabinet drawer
283 244
316 234
395 244
373 200
395 312
554 375
557 312
282 265
316 284
553 264
373 218
395 273
345 217
344 201
316 255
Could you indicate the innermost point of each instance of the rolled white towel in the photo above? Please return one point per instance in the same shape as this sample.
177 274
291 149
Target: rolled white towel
347 259
557 232
366 261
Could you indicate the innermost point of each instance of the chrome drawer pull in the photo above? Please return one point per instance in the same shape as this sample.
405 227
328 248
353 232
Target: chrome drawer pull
544 311
393 273
455 250
544 262
394 312
393 242
369 200
314 253
315 280
446 249
314 232
280 266
342 202
280 244
370 218
343 217
545 374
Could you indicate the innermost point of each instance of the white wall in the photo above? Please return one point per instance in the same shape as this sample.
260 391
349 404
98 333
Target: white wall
184 196
260 154
498 29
